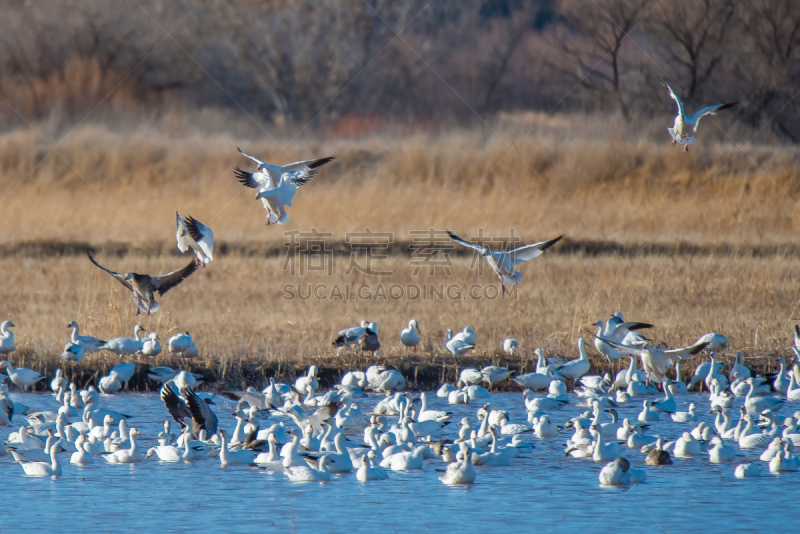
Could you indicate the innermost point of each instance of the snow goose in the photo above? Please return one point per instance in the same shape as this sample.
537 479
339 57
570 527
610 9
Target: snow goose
677 386
193 409
541 404
637 439
24 378
405 461
603 452
410 336
545 428
270 460
749 438
185 380
183 345
151 346
511 347
144 287
458 473
125 346
444 391
426 414
90 344
668 404
494 457
58 382
720 453
161 374
684 126
702 432
535 381
620 473
655 361
81 456
783 462
625 376
757 405
349 336
354 379
277 185
781 382
723 398
170 453
193 234
308 380
648 414
370 471
792 391
124 371
747 471
772 449
460 343
307 473
126 456
658 456
504 263
457 397
110 384
738 369
615 330
44 469
575 369
701 372
716 342
237 457
73 352
687 446
7 344
493 374
469 377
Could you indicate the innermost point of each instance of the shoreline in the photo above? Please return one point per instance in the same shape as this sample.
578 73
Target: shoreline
423 371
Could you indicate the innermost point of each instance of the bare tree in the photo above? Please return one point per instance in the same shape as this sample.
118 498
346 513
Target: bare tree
595 57
693 34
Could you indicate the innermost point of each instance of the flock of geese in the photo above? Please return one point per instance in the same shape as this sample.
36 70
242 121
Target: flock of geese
311 435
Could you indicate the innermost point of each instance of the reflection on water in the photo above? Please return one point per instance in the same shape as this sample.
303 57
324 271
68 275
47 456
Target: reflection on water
542 491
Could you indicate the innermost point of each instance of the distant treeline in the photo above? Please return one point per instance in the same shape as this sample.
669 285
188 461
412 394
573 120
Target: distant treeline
357 65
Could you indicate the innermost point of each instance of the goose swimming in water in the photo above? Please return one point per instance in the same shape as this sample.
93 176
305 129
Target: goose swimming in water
620 473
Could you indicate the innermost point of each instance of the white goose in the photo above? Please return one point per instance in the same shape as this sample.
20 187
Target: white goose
504 263
720 453
110 384
756 405
277 185
511 347
575 369
684 125
620 473
183 345
151 345
460 343
24 378
192 234
458 473
81 456
7 344
90 344
126 456
410 336
747 471
237 457
44 469
306 473
370 471
125 346
73 352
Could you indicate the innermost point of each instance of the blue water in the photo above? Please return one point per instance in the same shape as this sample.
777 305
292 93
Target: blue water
545 491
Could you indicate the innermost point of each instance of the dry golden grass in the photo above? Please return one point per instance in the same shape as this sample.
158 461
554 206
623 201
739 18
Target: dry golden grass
245 329
588 178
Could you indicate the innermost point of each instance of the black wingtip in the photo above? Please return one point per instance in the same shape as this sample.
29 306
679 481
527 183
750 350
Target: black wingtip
552 242
322 161
729 105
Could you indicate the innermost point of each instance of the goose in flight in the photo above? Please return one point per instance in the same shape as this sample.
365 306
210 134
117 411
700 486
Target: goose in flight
503 263
655 361
193 234
277 184
685 126
144 287
193 409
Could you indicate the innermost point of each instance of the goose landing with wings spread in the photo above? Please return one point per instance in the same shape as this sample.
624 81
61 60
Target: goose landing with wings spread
193 234
503 263
277 184
685 126
144 287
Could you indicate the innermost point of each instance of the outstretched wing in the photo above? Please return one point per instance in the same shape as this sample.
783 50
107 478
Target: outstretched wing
118 276
301 172
528 252
196 229
165 282
710 110
175 406
624 349
203 417
457 239
247 179
685 353
258 161
675 98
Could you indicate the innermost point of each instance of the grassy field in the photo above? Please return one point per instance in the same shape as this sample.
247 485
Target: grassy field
247 330
697 242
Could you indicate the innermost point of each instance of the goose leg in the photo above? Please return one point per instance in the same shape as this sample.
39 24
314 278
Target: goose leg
686 148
